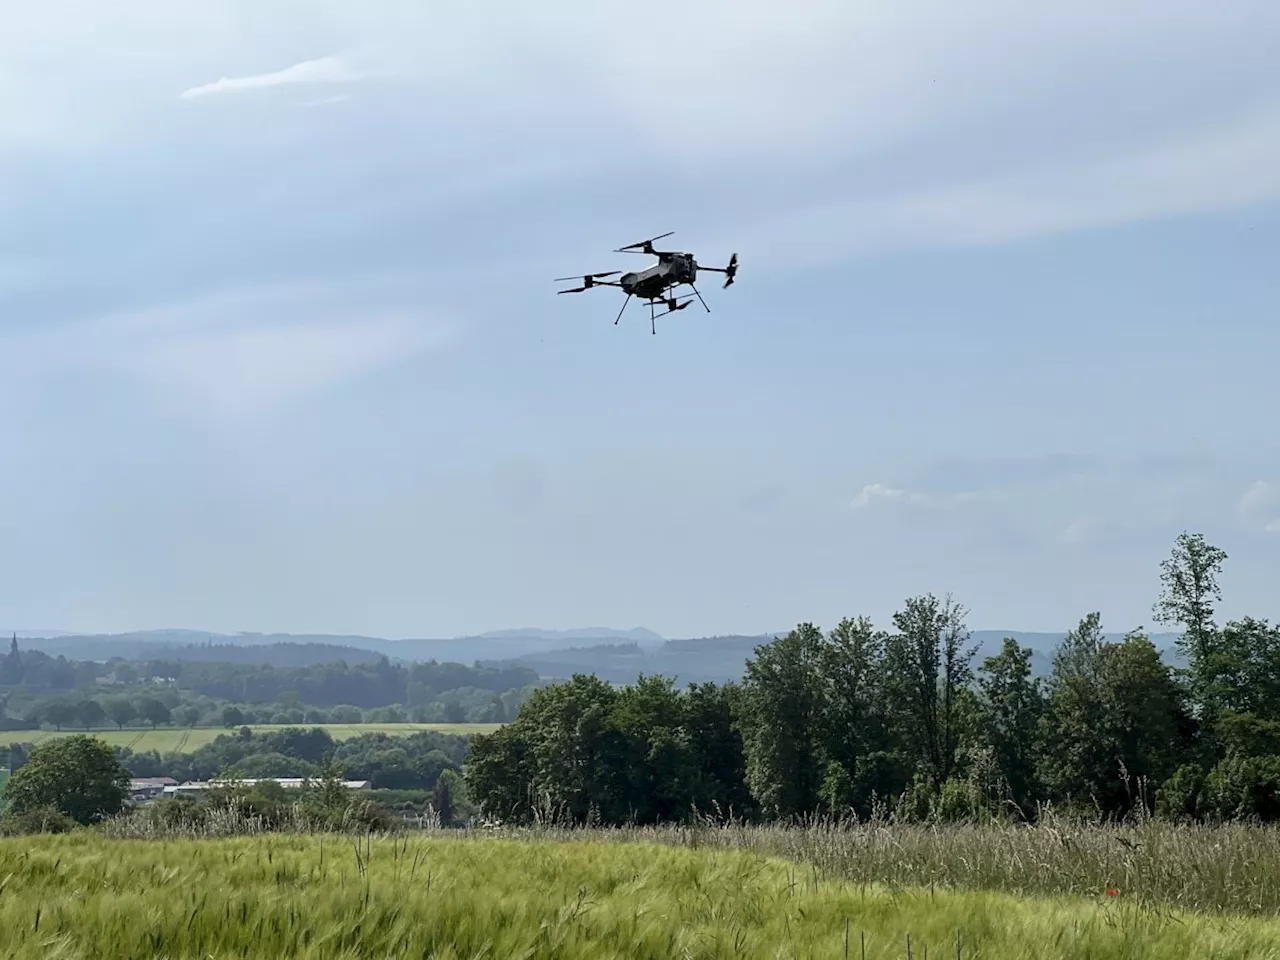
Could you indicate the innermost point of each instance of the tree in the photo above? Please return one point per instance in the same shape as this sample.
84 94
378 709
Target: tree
153 711
59 712
120 711
781 714
929 671
1189 590
190 715
856 742
442 797
78 775
89 713
1116 716
232 716
1013 702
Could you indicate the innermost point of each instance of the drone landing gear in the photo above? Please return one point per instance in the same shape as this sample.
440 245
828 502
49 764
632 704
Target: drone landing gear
623 310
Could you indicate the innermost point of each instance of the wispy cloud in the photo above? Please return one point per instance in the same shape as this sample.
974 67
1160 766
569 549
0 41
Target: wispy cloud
323 70
232 354
1222 168
1259 506
874 493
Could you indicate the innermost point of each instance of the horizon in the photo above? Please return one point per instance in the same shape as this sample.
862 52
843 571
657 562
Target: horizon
567 634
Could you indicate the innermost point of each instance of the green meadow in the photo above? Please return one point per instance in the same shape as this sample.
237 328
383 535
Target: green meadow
186 739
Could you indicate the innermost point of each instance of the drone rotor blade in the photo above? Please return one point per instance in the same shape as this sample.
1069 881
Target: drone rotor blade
731 271
643 245
587 276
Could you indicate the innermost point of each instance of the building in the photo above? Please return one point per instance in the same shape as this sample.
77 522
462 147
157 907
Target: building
143 789
201 788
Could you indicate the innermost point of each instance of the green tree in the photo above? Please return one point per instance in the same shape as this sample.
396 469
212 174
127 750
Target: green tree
1189 590
120 711
857 746
928 668
232 717
1076 760
442 797
189 715
1013 703
781 716
153 711
1116 718
60 712
78 775
89 713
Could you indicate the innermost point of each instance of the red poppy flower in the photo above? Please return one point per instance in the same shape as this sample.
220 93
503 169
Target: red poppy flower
1112 892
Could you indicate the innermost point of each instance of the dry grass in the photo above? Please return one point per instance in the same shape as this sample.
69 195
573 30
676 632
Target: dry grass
1232 869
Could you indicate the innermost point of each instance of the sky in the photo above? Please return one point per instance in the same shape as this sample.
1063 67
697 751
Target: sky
280 350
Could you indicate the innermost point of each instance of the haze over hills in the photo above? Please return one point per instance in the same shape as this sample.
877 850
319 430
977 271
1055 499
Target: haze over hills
618 656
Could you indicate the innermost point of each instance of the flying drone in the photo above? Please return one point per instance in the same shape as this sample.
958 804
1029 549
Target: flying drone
656 284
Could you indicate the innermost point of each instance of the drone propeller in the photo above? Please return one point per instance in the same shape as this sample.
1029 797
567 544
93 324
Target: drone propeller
731 271
644 246
588 281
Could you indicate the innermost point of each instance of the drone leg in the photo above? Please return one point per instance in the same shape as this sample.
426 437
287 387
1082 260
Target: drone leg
652 320
700 300
624 307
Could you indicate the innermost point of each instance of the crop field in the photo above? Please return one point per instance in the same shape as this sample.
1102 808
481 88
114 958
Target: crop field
83 895
187 739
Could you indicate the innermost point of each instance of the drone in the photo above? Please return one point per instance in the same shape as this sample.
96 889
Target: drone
656 284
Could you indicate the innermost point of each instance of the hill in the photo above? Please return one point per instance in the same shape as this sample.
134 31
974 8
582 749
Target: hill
719 659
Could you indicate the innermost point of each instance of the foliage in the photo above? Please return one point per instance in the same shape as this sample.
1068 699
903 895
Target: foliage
860 721
79 776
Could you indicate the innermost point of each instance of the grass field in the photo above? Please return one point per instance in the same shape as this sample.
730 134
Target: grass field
83 896
183 739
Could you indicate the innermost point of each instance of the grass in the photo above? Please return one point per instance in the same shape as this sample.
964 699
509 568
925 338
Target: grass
82 895
187 739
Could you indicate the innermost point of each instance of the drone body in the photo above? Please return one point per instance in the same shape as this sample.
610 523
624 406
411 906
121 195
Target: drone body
656 284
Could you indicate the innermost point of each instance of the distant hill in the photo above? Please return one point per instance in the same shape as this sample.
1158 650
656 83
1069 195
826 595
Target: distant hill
618 656
719 659
635 635
181 644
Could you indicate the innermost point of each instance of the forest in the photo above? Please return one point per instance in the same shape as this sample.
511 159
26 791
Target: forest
36 688
871 723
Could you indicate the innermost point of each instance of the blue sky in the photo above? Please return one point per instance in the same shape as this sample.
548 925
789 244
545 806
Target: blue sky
279 348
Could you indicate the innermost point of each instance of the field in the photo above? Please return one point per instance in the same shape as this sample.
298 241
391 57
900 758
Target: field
185 739
83 895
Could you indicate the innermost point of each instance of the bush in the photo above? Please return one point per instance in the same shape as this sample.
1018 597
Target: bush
46 819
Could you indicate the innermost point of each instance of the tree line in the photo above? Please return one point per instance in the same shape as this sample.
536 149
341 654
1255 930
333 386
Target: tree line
38 689
867 722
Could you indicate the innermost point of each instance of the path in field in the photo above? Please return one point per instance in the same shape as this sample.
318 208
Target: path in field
187 739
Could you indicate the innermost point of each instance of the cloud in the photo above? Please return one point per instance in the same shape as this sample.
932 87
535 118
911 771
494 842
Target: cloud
876 491
880 492
323 70
1259 496
1260 504
233 353
1220 168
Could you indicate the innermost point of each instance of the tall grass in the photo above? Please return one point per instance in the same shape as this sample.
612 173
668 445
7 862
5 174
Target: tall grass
426 896
1229 869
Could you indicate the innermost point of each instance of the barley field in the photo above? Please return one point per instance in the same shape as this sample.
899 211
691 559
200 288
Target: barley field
319 897
186 739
